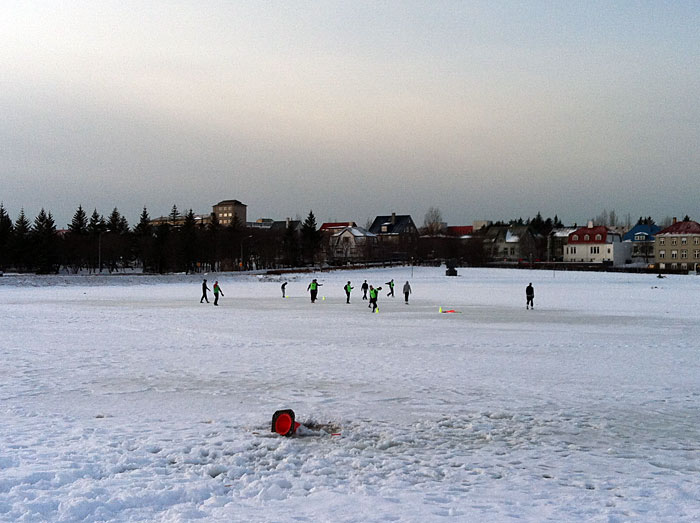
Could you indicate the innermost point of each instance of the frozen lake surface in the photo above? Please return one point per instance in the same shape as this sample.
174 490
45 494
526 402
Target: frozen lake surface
124 398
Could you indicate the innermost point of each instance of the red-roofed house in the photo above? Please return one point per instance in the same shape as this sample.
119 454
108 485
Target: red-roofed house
460 230
678 246
595 244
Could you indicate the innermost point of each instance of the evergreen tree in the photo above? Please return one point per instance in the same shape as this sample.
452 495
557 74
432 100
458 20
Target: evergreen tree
45 243
310 238
97 224
79 223
116 223
188 242
5 235
77 241
174 215
20 242
213 237
143 238
96 228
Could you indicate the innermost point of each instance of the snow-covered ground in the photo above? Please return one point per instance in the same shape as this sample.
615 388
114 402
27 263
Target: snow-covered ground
124 398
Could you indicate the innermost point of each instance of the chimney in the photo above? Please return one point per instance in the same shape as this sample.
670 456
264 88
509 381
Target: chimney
590 224
286 225
393 218
674 220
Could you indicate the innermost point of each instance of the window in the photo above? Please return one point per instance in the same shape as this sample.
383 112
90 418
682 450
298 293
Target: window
598 237
684 254
595 250
684 241
696 253
662 241
662 255
575 237
640 237
674 255
586 237
696 240
674 241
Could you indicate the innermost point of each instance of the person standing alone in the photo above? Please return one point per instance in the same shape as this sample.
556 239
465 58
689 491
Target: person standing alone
373 295
204 292
391 288
530 296
217 290
406 291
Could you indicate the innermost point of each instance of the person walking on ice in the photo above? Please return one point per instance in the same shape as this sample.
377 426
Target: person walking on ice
348 288
406 291
364 288
217 290
313 287
530 296
373 295
391 288
204 292
284 290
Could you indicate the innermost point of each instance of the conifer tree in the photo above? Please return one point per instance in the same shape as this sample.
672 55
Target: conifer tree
5 235
79 223
310 238
143 238
21 243
45 243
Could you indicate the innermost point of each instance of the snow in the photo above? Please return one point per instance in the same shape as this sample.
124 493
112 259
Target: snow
125 399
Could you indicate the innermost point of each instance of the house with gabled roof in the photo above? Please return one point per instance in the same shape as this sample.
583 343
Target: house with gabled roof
397 235
596 244
678 246
641 239
509 243
352 244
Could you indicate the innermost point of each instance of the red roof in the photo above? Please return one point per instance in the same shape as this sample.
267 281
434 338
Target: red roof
592 232
690 227
336 225
460 230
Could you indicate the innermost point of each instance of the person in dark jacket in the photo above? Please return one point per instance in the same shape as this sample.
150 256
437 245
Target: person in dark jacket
313 287
284 290
391 288
348 288
204 292
217 291
530 296
406 291
364 288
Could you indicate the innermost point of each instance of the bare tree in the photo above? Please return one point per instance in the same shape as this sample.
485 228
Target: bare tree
432 223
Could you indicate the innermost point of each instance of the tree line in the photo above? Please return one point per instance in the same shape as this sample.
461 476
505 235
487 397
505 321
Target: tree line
96 243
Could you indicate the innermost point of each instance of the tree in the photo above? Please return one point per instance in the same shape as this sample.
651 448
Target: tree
5 236
76 241
79 223
96 228
310 238
432 222
21 243
45 243
143 240
188 242
174 215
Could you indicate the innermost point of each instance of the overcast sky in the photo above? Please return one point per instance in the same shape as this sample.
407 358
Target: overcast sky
486 110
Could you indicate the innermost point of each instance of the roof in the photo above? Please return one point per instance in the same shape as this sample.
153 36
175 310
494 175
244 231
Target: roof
394 224
230 202
648 231
336 225
460 230
592 232
689 227
358 232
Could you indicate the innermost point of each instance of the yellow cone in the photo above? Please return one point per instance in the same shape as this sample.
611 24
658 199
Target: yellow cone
440 310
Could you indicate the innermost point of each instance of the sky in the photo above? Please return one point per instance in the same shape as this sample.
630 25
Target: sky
484 110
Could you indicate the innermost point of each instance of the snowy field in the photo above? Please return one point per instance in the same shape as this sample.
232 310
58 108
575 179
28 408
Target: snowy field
122 398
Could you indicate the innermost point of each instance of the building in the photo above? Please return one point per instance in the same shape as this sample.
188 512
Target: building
678 246
596 244
394 227
229 210
641 238
509 243
556 243
352 244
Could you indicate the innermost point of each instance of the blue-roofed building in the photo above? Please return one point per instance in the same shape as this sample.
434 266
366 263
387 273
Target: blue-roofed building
641 237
